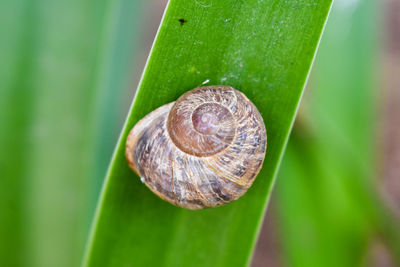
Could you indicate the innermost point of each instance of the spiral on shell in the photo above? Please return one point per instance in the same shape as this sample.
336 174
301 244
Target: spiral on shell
204 150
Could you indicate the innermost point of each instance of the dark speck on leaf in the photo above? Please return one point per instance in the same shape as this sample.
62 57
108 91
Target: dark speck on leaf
182 21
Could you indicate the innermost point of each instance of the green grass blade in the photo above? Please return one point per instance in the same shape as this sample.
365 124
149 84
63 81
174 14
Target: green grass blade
120 46
51 89
328 206
263 48
46 72
16 61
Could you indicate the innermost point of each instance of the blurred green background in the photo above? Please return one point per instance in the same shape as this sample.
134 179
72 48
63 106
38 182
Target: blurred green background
67 75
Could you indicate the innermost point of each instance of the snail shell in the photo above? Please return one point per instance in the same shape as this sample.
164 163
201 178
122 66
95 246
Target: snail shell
204 150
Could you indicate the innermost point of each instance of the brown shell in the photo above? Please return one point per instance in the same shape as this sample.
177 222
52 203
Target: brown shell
204 150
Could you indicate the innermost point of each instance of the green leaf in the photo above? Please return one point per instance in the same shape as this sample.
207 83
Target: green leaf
262 48
53 56
328 207
46 71
117 55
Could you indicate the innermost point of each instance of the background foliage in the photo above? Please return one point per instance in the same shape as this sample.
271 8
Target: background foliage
67 73
64 70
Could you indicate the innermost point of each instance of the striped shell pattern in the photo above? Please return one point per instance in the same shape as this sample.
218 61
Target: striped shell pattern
204 150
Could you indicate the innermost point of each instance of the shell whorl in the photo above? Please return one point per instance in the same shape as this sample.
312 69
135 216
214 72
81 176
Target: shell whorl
203 150
201 122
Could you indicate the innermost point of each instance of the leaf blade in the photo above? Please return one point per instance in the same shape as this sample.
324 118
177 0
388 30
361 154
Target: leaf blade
214 44
49 99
